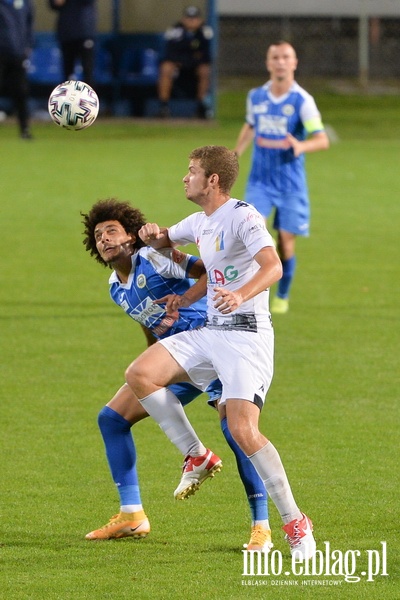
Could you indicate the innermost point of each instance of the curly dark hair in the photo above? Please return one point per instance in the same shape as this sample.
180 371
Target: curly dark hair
111 209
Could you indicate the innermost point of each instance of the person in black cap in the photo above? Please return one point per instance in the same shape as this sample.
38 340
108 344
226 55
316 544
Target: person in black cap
187 56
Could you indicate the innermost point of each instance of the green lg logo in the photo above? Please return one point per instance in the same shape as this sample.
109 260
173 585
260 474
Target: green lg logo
220 278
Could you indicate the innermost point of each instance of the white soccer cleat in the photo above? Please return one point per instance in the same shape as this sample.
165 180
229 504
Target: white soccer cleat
197 469
299 534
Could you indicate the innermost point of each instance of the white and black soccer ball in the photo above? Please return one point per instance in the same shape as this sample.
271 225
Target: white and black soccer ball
73 105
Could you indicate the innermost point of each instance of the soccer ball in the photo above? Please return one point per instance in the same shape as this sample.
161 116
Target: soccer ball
73 105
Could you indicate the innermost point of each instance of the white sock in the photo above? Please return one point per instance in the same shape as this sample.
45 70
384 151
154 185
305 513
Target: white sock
264 523
167 411
131 508
269 466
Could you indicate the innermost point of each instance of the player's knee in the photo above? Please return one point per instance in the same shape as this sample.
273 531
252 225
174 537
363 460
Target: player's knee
236 431
242 432
132 374
102 419
136 375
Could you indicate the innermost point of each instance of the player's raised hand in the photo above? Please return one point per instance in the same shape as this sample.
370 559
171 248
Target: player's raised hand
151 231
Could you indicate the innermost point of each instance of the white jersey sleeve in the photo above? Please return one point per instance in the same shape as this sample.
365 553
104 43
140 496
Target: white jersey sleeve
163 262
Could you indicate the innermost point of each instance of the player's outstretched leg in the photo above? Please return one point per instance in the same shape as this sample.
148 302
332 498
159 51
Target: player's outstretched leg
200 463
260 539
121 455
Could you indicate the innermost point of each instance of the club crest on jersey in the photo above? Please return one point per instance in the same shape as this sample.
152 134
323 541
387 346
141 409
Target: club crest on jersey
288 110
219 242
141 281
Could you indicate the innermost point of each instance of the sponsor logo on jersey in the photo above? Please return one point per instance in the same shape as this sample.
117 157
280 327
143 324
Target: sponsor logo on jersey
165 324
217 277
256 228
253 215
273 125
259 109
147 312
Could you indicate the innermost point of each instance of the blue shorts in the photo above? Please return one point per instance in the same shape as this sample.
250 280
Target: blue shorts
186 392
292 212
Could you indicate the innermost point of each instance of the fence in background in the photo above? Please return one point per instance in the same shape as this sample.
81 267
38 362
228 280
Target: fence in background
358 47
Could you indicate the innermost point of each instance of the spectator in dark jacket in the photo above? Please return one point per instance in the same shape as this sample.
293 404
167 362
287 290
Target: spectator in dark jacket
16 40
187 53
76 31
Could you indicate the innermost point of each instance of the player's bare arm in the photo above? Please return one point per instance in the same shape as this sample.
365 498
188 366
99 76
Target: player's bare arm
174 302
197 269
155 236
270 271
317 141
246 136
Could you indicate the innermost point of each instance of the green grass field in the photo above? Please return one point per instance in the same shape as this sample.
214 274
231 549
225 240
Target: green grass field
332 410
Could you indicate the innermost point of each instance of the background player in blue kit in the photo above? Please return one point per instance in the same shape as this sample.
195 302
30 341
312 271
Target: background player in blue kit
150 287
280 115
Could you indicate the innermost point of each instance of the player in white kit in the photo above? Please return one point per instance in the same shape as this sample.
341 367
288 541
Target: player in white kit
236 344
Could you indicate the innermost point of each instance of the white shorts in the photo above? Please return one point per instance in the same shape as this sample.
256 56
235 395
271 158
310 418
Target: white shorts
243 361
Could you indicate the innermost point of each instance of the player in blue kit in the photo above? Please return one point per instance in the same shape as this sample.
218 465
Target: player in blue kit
151 286
284 123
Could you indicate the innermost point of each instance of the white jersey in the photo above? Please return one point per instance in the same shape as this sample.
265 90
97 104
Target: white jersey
228 240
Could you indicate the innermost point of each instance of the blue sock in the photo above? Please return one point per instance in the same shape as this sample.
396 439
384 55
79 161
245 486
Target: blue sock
253 484
121 454
288 267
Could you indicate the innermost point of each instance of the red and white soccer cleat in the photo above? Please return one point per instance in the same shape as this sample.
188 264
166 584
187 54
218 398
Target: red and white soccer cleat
299 534
197 469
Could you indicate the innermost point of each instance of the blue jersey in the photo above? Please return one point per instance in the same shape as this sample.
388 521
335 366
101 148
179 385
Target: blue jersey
155 274
277 169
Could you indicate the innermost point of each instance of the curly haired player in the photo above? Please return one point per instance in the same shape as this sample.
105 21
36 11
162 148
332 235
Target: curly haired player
146 283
